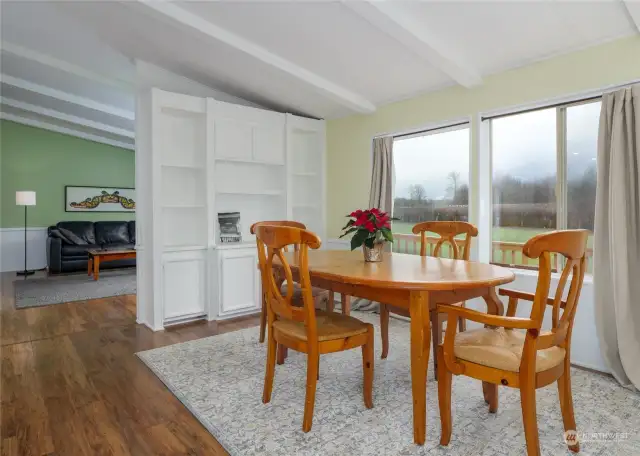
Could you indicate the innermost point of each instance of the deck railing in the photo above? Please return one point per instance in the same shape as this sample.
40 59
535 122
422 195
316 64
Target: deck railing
503 253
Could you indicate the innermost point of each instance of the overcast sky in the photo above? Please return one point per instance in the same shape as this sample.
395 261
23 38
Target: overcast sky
524 145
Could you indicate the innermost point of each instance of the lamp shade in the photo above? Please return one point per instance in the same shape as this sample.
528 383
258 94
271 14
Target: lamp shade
26 198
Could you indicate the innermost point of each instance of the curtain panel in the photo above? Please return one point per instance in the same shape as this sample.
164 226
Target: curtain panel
617 234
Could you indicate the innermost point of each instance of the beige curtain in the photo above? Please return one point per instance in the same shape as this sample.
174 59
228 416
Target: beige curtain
380 194
617 234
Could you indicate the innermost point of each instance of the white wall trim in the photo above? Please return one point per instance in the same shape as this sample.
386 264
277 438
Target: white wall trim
332 90
66 117
65 66
64 96
12 248
65 130
390 19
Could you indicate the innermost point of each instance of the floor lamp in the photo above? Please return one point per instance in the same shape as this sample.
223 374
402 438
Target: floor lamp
25 198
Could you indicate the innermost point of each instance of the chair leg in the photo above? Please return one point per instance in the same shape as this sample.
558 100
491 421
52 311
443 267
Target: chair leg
282 354
367 366
529 419
331 302
310 397
566 403
436 338
345 303
490 392
444 398
263 319
270 370
384 329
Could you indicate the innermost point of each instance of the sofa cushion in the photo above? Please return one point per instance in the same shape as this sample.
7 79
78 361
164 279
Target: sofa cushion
132 231
56 233
112 233
84 230
69 250
71 237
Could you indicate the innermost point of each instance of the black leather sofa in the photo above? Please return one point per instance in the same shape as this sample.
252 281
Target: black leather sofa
63 256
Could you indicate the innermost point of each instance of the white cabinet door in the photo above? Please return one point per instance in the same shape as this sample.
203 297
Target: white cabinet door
184 285
248 134
238 281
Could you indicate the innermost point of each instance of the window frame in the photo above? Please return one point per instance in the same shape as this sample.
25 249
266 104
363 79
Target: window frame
561 190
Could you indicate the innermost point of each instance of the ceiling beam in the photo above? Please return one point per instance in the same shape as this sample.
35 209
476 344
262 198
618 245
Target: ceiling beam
64 96
633 9
182 17
64 130
65 66
390 18
66 117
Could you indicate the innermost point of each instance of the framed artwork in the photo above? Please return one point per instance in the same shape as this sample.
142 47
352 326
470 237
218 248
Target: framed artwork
99 199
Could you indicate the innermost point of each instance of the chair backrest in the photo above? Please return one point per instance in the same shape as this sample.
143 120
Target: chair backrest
272 240
571 244
289 223
447 232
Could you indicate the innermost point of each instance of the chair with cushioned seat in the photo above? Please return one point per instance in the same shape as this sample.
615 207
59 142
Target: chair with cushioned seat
516 352
303 328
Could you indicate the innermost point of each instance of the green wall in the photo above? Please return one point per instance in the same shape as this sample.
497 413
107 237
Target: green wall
45 161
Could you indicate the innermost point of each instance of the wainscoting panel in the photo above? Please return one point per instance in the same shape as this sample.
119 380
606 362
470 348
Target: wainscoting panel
12 248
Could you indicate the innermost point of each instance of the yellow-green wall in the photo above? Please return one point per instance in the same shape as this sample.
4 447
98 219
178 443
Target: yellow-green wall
349 138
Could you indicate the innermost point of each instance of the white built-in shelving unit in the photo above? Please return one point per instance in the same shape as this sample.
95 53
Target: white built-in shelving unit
201 157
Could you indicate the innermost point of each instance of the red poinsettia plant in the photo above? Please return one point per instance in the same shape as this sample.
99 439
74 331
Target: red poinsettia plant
369 227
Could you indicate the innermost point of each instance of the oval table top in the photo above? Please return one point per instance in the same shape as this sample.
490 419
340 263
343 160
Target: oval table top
401 270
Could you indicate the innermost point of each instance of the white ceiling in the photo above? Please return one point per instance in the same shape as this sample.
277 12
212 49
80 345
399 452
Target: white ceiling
70 65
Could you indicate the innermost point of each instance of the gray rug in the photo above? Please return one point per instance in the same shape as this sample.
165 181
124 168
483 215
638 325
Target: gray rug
77 287
219 379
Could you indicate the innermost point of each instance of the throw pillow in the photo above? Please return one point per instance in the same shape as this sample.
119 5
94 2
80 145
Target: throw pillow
72 237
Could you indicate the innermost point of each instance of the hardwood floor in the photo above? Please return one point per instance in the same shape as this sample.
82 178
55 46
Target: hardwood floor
72 385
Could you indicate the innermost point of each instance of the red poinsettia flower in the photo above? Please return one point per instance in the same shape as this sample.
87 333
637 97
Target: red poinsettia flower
361 219
382 221
369 226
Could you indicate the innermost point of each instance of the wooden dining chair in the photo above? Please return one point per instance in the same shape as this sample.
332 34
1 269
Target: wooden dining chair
303 328
500 354
459 249
320 296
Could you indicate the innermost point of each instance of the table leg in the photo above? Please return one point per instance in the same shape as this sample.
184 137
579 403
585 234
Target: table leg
90 266
345 303
490 390
420 344
96 267
494 304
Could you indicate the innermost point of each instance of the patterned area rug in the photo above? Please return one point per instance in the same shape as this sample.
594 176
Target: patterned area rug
77 287
219 379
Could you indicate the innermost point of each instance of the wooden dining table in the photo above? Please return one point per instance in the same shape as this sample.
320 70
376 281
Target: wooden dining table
412 282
